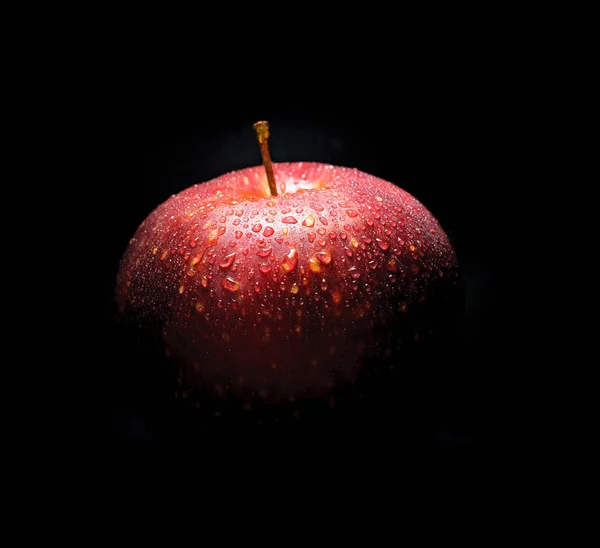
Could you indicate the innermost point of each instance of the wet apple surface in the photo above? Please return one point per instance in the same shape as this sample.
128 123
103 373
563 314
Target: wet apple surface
288 296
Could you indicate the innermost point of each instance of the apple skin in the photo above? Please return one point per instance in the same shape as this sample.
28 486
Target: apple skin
288 297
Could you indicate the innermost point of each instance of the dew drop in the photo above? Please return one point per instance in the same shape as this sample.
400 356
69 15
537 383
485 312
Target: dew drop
290 260
221 230
373 264
318 207
321 231
268 232
311 238
257 227
324 257
294 289
227 261
351 213
264 252
313 265
323 220
324 285
212 237
265 268
354 273
230 284
199 307
279 239
289 220
383 245
333 235
309 221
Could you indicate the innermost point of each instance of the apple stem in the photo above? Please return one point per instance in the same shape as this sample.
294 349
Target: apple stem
262 131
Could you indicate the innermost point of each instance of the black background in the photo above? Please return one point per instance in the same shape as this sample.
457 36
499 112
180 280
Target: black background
448 132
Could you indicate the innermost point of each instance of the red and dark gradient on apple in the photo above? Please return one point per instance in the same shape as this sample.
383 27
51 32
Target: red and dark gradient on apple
287 292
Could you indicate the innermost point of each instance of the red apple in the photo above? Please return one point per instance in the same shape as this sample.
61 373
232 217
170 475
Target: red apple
293 295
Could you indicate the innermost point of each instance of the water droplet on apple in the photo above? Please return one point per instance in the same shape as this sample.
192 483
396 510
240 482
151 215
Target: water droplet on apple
313 265
221 230
323 220
324 285
324 257
227 261
268 232
257 227
311 237
351 213
264 252
354 273
289 220
265 268
290 260
230 284
309 221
